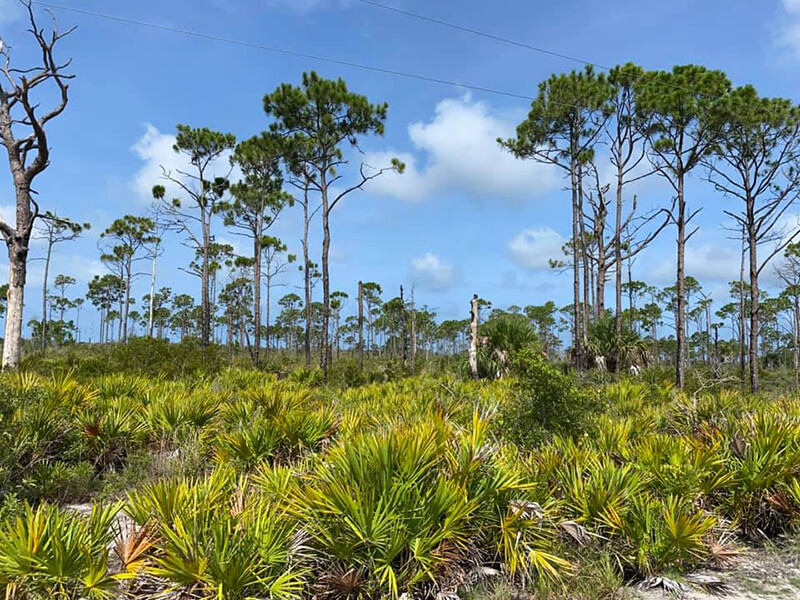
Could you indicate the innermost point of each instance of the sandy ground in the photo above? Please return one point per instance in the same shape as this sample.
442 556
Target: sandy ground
763 574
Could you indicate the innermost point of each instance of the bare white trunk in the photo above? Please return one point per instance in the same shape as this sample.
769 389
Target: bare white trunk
12 344
473 340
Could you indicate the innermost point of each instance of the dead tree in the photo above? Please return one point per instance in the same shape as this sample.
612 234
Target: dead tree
473 337
23 134
631 233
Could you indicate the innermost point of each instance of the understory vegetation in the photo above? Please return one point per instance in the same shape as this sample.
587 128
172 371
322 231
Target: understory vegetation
243 485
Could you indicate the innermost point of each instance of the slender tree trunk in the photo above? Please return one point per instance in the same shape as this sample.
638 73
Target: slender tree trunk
708 332
360 326
618 256
576 275
266 328
741 317
124 316
413 331
326 299
586 266
473 338
119 325
205 309
795 336
655 340
257 292
307 283
229 341
151 308
754 299
680 312
44 291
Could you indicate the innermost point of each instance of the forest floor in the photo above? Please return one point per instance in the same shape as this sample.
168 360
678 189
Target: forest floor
771 573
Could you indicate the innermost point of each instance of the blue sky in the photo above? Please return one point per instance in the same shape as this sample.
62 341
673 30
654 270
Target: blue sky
465 217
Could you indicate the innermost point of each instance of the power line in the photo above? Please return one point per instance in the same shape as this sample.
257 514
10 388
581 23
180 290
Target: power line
285 51
506 40
484 34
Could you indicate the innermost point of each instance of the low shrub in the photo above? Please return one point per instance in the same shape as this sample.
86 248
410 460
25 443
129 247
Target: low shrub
545 402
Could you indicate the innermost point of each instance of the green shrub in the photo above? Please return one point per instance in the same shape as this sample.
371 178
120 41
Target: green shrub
545 402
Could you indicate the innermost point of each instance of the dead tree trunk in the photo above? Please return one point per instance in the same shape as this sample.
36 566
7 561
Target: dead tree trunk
473 338
16 86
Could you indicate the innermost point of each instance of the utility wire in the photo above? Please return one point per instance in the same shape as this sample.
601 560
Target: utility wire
285 51
484 34
504 40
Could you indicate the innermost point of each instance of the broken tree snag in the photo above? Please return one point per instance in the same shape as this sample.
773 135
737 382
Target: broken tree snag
361 326
473 337
23 133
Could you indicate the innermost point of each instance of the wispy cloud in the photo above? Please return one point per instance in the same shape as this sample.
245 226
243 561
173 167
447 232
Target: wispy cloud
789 27
431 273
534 248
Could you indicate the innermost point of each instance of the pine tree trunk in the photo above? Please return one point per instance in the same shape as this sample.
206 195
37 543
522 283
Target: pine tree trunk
205 325
413 332
44 292
741 319
326 299
124 317
795 336
587 269
708 332
360 326
754 299
266 327
618 257
576 276
680 312
152 294
307 284
257 293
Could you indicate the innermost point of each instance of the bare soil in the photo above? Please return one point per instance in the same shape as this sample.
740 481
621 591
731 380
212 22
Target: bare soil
758 574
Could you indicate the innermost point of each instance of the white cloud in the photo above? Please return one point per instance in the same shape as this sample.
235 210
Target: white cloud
533 248
461 154
716 261
789 25
429 272
155 149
